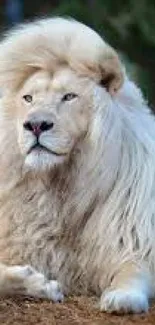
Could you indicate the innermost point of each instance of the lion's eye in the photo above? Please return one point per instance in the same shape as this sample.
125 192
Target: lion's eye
27 98
69 96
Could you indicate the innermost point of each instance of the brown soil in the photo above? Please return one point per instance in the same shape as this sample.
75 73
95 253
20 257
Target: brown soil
75 311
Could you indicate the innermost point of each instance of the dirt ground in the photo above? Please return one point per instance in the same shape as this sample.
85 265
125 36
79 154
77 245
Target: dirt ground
75 311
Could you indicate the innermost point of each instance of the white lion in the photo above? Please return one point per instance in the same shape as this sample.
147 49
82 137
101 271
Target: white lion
77 170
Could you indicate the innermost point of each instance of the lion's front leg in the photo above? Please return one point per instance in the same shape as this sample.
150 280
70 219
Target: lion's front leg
26 280
129 291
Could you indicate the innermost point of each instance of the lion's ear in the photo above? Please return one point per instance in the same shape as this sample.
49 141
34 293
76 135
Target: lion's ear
100 62
111 72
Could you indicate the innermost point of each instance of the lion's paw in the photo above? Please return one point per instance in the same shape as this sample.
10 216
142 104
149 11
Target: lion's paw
124 301
53 291
31 282
38 286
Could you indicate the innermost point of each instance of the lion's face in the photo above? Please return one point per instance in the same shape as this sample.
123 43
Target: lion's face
53 116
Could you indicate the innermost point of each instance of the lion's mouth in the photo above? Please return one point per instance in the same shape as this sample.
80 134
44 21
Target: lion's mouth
39 147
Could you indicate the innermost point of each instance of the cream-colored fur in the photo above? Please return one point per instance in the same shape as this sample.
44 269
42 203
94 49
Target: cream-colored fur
82 211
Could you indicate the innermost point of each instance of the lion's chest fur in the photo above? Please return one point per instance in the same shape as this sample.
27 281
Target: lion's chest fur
35 230
51 227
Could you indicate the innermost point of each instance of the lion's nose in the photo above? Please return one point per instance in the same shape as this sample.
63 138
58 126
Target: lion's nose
38 127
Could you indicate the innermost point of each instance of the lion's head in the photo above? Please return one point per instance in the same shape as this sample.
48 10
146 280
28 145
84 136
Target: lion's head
50 72
53 114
